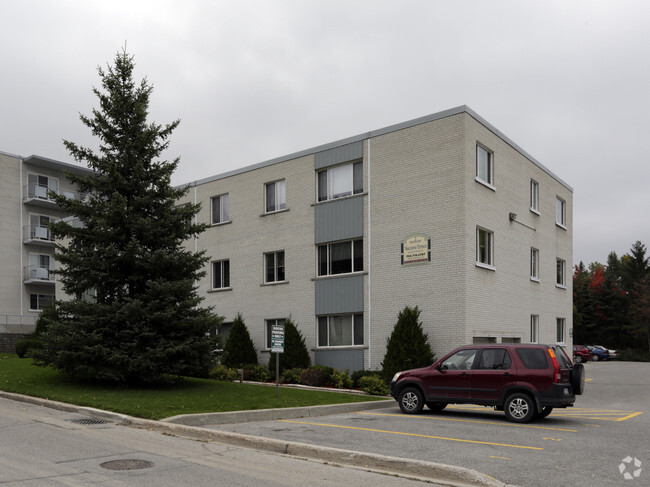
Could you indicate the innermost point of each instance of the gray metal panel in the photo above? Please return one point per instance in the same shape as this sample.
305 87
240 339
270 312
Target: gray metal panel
339 295
337 155
338 220
340 359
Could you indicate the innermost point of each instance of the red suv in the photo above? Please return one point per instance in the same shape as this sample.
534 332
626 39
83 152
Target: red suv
525 381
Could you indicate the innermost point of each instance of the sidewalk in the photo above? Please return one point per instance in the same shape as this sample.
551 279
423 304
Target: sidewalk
190 426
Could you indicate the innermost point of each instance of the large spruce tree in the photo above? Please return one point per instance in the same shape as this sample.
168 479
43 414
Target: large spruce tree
132 312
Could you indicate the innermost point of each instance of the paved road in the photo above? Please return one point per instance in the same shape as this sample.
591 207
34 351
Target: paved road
46 447
581 446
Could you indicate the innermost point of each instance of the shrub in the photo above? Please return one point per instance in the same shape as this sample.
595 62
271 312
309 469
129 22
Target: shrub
357 375
257 373
373 384
24 346
408 346
312 377
223 373
342 380
291 376
239 349
634 355
295 355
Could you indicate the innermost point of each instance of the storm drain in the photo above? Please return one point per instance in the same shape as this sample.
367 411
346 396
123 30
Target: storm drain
126 464
88 421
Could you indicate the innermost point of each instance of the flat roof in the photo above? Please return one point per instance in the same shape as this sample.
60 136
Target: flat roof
383 131
48 163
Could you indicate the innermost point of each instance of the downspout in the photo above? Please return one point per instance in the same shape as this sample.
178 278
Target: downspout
20 240
369 267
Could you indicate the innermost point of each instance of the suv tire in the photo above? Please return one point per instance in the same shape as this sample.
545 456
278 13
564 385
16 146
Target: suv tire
519 408
410 400
436 407
578 378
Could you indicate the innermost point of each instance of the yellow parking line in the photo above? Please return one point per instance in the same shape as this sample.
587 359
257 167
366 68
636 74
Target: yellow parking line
412 434
438 418
629 416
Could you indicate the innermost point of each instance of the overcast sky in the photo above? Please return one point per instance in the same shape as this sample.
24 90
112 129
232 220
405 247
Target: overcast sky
568 81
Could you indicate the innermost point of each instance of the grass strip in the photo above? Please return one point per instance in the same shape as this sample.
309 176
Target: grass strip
188 396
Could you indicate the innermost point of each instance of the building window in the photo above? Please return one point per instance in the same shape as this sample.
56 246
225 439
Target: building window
340 181
38 302
560 279
269 329
560 212
561 325
38 186
534 196
484 165
340 330
534 328
534 264
221 274
275 196
484 247
39 227
340 258
40 267
220 209
274 267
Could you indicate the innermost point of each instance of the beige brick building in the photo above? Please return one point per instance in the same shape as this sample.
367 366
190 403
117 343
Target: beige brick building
26 210
443 212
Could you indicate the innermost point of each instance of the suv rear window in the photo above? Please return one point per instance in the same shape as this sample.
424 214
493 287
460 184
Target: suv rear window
533 358
562 358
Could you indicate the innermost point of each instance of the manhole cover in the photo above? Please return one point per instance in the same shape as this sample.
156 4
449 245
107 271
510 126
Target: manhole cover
126 464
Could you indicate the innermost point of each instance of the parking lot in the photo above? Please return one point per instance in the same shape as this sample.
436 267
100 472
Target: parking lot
587 445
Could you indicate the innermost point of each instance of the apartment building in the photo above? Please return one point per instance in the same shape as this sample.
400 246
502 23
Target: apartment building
26 211
443 212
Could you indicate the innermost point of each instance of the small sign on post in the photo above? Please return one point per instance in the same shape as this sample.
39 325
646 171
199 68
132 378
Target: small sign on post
277 347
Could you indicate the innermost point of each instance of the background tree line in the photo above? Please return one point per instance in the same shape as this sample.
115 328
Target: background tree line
611 302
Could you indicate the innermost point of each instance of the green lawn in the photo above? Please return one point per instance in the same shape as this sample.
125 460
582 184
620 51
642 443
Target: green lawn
187 397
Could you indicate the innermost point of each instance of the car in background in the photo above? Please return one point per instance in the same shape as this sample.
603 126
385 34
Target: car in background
611 354
598 353
581 354
525 381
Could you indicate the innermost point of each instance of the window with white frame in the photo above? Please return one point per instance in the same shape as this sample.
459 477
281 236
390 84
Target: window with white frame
534 328
561 329
38 186
275 196
38 302
534 196
534 264
39 227
220 208
221 274
340 257
560 211
274 267
340 330
269 329
560 273
484 247
40 267
484 165
339 181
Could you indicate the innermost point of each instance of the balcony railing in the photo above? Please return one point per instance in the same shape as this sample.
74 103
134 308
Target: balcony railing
40 193
38 273
17 323
38 234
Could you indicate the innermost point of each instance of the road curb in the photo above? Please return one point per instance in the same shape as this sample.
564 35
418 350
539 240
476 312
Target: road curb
436 472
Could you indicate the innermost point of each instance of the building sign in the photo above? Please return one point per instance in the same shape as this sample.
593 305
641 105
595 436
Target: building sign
416 249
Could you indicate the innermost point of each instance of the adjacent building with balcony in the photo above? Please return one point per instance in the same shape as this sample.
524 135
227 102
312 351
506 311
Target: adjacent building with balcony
26 211
443 212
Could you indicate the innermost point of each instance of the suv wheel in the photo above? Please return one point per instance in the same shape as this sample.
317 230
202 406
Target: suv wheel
519 408
436 407
578 378
410 400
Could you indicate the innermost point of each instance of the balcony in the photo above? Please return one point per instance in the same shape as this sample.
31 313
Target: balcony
17 324
38 195
38 235
39 274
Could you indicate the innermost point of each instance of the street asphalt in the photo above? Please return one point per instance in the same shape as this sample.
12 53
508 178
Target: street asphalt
194 427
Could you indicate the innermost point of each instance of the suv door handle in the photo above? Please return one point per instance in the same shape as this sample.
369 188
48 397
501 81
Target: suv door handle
464 373
508 374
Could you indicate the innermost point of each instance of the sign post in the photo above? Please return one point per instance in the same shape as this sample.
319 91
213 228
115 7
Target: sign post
277 346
